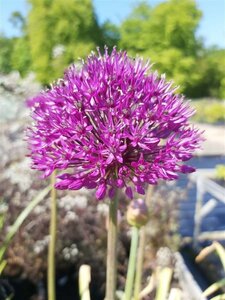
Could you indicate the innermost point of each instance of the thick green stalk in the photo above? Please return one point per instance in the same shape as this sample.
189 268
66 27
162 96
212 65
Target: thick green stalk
112 250
52 242
141 250
139 264
164 281
132 263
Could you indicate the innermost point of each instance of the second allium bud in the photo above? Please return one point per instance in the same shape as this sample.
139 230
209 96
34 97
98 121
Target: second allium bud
137 213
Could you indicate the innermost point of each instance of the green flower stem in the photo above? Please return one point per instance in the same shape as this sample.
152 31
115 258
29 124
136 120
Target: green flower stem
21 218
164 281
52 242
112 250
141 250
84 282
139 264
132 263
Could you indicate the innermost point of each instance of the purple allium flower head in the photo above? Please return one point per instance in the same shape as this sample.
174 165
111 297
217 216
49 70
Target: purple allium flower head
111 123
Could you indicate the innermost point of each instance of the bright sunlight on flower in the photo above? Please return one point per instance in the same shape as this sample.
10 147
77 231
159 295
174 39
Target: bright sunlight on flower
111 123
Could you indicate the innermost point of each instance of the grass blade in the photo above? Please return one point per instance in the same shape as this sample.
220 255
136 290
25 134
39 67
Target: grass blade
214 287
23 215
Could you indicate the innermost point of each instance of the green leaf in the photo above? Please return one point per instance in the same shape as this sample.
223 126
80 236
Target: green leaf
214 287
219 297
2 265
19 221
165 276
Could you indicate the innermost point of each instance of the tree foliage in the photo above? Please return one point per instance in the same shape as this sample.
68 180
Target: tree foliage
21 59
171 24
57 32
6 48
166 34
111 34
69 25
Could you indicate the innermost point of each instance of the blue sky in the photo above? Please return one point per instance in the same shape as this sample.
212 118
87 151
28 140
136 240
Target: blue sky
212 26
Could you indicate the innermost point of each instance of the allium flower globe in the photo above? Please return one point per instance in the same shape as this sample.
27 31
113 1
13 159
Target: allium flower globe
111 123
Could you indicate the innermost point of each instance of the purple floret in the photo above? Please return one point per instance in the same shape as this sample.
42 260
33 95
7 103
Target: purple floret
111 123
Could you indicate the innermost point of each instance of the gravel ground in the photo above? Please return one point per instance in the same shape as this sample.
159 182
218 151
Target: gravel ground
215 140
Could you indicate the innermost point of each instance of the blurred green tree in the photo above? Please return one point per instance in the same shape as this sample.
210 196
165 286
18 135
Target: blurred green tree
209 73
20 57
57 32
18 20
166 34
214 73
60 31
6 46
111 34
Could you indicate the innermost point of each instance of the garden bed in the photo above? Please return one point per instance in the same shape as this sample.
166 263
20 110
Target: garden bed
67 285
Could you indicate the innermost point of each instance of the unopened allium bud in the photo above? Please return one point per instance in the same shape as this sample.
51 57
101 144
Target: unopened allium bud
137 213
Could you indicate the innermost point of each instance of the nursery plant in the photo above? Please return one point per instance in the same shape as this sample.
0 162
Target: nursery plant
220 172
14 229
215 287
113 125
